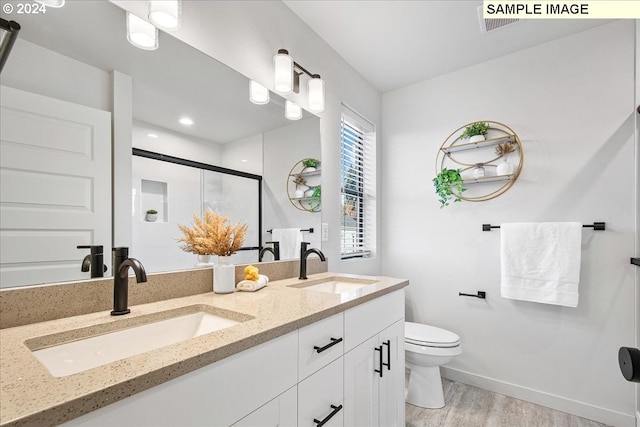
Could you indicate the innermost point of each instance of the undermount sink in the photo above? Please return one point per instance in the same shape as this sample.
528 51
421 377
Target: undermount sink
335 285
71 352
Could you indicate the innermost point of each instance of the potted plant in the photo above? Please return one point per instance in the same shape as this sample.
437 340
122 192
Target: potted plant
299 182
316 200
475 132
152 215
503 150
447 181
310 165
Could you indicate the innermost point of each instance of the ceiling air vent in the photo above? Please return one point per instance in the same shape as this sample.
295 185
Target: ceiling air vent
487 25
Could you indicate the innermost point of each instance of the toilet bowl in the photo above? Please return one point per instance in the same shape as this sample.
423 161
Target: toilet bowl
426 348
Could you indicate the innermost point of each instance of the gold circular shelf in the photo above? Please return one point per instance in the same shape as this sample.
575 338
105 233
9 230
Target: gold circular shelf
311 200
458 153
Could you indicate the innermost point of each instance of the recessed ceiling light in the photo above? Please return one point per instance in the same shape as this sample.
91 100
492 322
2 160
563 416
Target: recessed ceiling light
244 160
152 135
186 121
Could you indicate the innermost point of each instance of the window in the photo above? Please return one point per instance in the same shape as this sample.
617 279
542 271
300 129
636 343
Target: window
357 171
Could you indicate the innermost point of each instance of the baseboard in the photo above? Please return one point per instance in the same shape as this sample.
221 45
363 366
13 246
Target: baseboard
602 415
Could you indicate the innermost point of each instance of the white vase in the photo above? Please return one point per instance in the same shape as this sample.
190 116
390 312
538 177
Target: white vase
477 138
151 217
204 261
504 167
298 194
224 276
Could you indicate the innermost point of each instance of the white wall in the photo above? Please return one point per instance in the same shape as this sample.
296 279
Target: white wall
283 148
245 36
571 102
637 251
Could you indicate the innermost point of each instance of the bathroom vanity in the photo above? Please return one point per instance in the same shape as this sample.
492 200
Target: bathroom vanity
326 349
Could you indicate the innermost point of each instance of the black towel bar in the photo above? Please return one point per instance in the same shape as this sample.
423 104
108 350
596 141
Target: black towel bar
310 230
596 226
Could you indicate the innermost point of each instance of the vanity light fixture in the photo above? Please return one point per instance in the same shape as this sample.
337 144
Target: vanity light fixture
286 79
258 94
141 33
185 121
292 111
165 14
51 3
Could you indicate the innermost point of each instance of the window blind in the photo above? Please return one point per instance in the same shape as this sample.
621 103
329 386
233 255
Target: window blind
357 167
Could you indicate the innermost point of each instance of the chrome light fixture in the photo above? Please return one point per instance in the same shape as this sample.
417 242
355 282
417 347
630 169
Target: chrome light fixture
292 111
165 14
258 94
286 79
8 35
141 33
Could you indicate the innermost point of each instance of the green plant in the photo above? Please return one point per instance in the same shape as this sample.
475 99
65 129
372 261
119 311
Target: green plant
316 199
152 211
310 163
445 182
477 128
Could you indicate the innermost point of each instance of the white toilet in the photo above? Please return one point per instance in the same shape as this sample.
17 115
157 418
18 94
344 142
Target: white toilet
426 348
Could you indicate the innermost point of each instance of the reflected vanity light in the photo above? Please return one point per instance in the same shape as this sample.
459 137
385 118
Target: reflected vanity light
141 33
51 3
185 121
152 135
286 79
258 94
165 14
292 111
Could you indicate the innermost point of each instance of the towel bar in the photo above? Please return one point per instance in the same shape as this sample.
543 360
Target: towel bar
310 230
480 294
596 226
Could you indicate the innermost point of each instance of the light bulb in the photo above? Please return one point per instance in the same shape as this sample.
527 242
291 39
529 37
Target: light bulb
165 14
283 72
316 93
292 111
258 94
141 33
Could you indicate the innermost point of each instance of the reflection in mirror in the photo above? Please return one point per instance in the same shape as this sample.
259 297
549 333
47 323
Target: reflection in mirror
55 57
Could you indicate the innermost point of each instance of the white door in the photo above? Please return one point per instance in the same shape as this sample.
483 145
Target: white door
55 177
392 381
361 383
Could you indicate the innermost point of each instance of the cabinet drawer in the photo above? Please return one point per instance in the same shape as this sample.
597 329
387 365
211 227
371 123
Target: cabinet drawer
280 412
320 397
319 344
366 320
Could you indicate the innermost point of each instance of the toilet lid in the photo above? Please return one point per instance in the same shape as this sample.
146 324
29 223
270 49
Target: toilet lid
430 336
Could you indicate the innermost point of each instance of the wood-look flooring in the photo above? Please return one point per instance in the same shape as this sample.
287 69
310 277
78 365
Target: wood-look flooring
468 406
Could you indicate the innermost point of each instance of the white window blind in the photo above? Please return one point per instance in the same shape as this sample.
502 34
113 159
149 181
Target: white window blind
357 168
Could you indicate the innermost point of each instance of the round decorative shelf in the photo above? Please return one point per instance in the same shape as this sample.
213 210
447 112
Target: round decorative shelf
303 186
480 162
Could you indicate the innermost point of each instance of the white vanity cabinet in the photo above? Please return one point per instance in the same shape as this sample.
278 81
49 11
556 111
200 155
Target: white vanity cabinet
374 363
279 412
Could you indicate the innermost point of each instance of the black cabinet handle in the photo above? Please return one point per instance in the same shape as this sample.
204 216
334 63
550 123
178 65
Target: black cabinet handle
333 342
635 261
335 408
388 364
379 349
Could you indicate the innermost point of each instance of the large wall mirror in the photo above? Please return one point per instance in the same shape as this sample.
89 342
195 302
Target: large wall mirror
68 54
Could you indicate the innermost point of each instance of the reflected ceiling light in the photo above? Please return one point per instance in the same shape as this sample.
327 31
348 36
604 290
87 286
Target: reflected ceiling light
185 121
292 111
258 94
152 135
141 33
316 93
51 3
286 79
165 14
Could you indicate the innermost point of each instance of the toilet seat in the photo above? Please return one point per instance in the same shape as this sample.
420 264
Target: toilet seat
429 336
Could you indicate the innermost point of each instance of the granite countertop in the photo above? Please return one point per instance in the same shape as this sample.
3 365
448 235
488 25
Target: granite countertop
30 395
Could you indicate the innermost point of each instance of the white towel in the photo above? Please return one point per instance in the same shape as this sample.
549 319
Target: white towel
540 262
253 285
290 240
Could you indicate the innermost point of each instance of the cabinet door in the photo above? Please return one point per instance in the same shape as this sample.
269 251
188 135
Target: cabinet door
361 382
320 397
392 380
280 412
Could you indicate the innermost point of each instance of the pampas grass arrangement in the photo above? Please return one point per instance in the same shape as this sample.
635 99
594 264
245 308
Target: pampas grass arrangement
212 235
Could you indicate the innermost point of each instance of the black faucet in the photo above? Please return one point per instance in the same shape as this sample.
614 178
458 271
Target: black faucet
121 264
304 254
275 251
95 260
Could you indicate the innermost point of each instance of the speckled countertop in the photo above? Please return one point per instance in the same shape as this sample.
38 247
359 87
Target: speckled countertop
30 395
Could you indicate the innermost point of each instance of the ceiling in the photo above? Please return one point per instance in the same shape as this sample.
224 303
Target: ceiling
396 43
